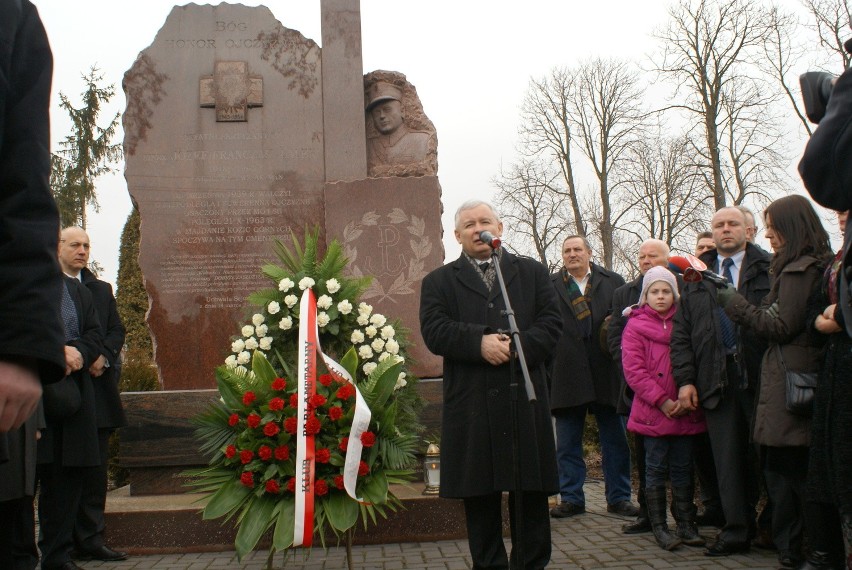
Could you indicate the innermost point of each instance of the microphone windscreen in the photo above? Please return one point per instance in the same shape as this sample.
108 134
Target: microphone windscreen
679 264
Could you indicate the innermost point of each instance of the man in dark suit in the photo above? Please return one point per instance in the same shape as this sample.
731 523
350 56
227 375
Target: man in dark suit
68 448
717 365
462 319
74 249
31 341
585 380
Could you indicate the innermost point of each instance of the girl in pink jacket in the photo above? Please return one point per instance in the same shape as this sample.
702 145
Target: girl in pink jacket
656 414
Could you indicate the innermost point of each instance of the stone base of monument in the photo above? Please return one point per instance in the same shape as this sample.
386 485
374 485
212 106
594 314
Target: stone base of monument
160 524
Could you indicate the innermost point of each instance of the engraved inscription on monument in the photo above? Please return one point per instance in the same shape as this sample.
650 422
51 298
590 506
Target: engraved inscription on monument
231 90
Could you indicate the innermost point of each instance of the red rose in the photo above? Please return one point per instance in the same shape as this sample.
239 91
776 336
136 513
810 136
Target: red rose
345 392
282 453
247 479
321 488
322 455
325 379
273 487
276 404
253 420
265 452
279 384
335 413
317 400
312 426
233 420
338 482
230 451
246 455
368 438
290 425
248 398
270 429
344 443
294 400
291 485
363 469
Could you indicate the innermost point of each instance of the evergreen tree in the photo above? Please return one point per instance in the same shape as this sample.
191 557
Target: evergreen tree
86 153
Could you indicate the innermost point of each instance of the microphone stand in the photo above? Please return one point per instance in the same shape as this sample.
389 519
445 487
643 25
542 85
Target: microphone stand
516 349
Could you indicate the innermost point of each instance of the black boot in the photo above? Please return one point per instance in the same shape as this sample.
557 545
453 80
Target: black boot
656 499
818 560
684 509
642 523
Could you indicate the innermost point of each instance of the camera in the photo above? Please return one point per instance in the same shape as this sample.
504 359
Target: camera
816 89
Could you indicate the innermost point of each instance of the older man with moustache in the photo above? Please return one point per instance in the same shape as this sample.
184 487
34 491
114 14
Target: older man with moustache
74 249
585 380
716 365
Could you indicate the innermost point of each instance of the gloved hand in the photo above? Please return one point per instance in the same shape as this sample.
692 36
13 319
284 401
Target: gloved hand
772 310
724 296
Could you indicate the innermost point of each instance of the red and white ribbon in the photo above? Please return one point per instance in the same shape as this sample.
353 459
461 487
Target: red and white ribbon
309 347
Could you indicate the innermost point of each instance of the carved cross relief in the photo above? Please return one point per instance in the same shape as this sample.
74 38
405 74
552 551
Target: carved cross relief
231 90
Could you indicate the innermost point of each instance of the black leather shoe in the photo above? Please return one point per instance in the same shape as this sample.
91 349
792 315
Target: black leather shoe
104 554
623 508
565 510
722 548
789 560
67 566
639 526
710 517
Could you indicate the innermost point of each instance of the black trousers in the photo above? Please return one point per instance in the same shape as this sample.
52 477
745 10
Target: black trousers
89 526
737 470
705 471
59 499
784 470
483 515
17 540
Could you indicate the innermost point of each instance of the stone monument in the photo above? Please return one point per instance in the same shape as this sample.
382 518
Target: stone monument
238 131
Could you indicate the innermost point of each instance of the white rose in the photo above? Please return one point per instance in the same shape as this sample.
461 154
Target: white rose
237 346
251 343
378 344
324 302
357 337
285 284
248 331
392 346
261 330
231 362
241 370
371 331
285 324
256 319
365 309
378 320
400 381
273 307
306 283
290 300
365 352
323 319
398 358
369 367
244 357
384 356
333 285
266 343
388 332
344 306
363 320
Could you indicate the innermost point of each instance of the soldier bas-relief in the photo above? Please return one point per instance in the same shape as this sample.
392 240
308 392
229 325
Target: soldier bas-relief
397 145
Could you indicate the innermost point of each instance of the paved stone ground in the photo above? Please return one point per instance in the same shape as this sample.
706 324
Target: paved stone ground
589 541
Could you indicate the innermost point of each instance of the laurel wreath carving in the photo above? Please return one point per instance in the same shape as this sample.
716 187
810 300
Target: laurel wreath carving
420 244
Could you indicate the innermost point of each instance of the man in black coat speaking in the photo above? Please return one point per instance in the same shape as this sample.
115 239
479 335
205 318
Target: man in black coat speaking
461 319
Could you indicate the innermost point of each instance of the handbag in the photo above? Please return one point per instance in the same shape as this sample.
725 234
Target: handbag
61 399
800 387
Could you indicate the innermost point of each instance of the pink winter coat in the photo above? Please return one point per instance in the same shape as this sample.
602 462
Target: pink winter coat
645 357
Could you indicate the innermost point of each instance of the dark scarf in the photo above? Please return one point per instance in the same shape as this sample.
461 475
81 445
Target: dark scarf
579 303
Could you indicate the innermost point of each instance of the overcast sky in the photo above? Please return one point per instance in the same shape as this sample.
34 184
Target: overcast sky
470 61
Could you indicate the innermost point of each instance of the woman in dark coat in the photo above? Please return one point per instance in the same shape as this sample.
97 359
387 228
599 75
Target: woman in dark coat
802 252
830 466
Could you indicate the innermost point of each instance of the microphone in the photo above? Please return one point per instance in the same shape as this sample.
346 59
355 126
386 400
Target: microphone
694 270
487 237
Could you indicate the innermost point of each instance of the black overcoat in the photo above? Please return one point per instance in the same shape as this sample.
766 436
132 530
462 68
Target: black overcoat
583 371
108 408
456 310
